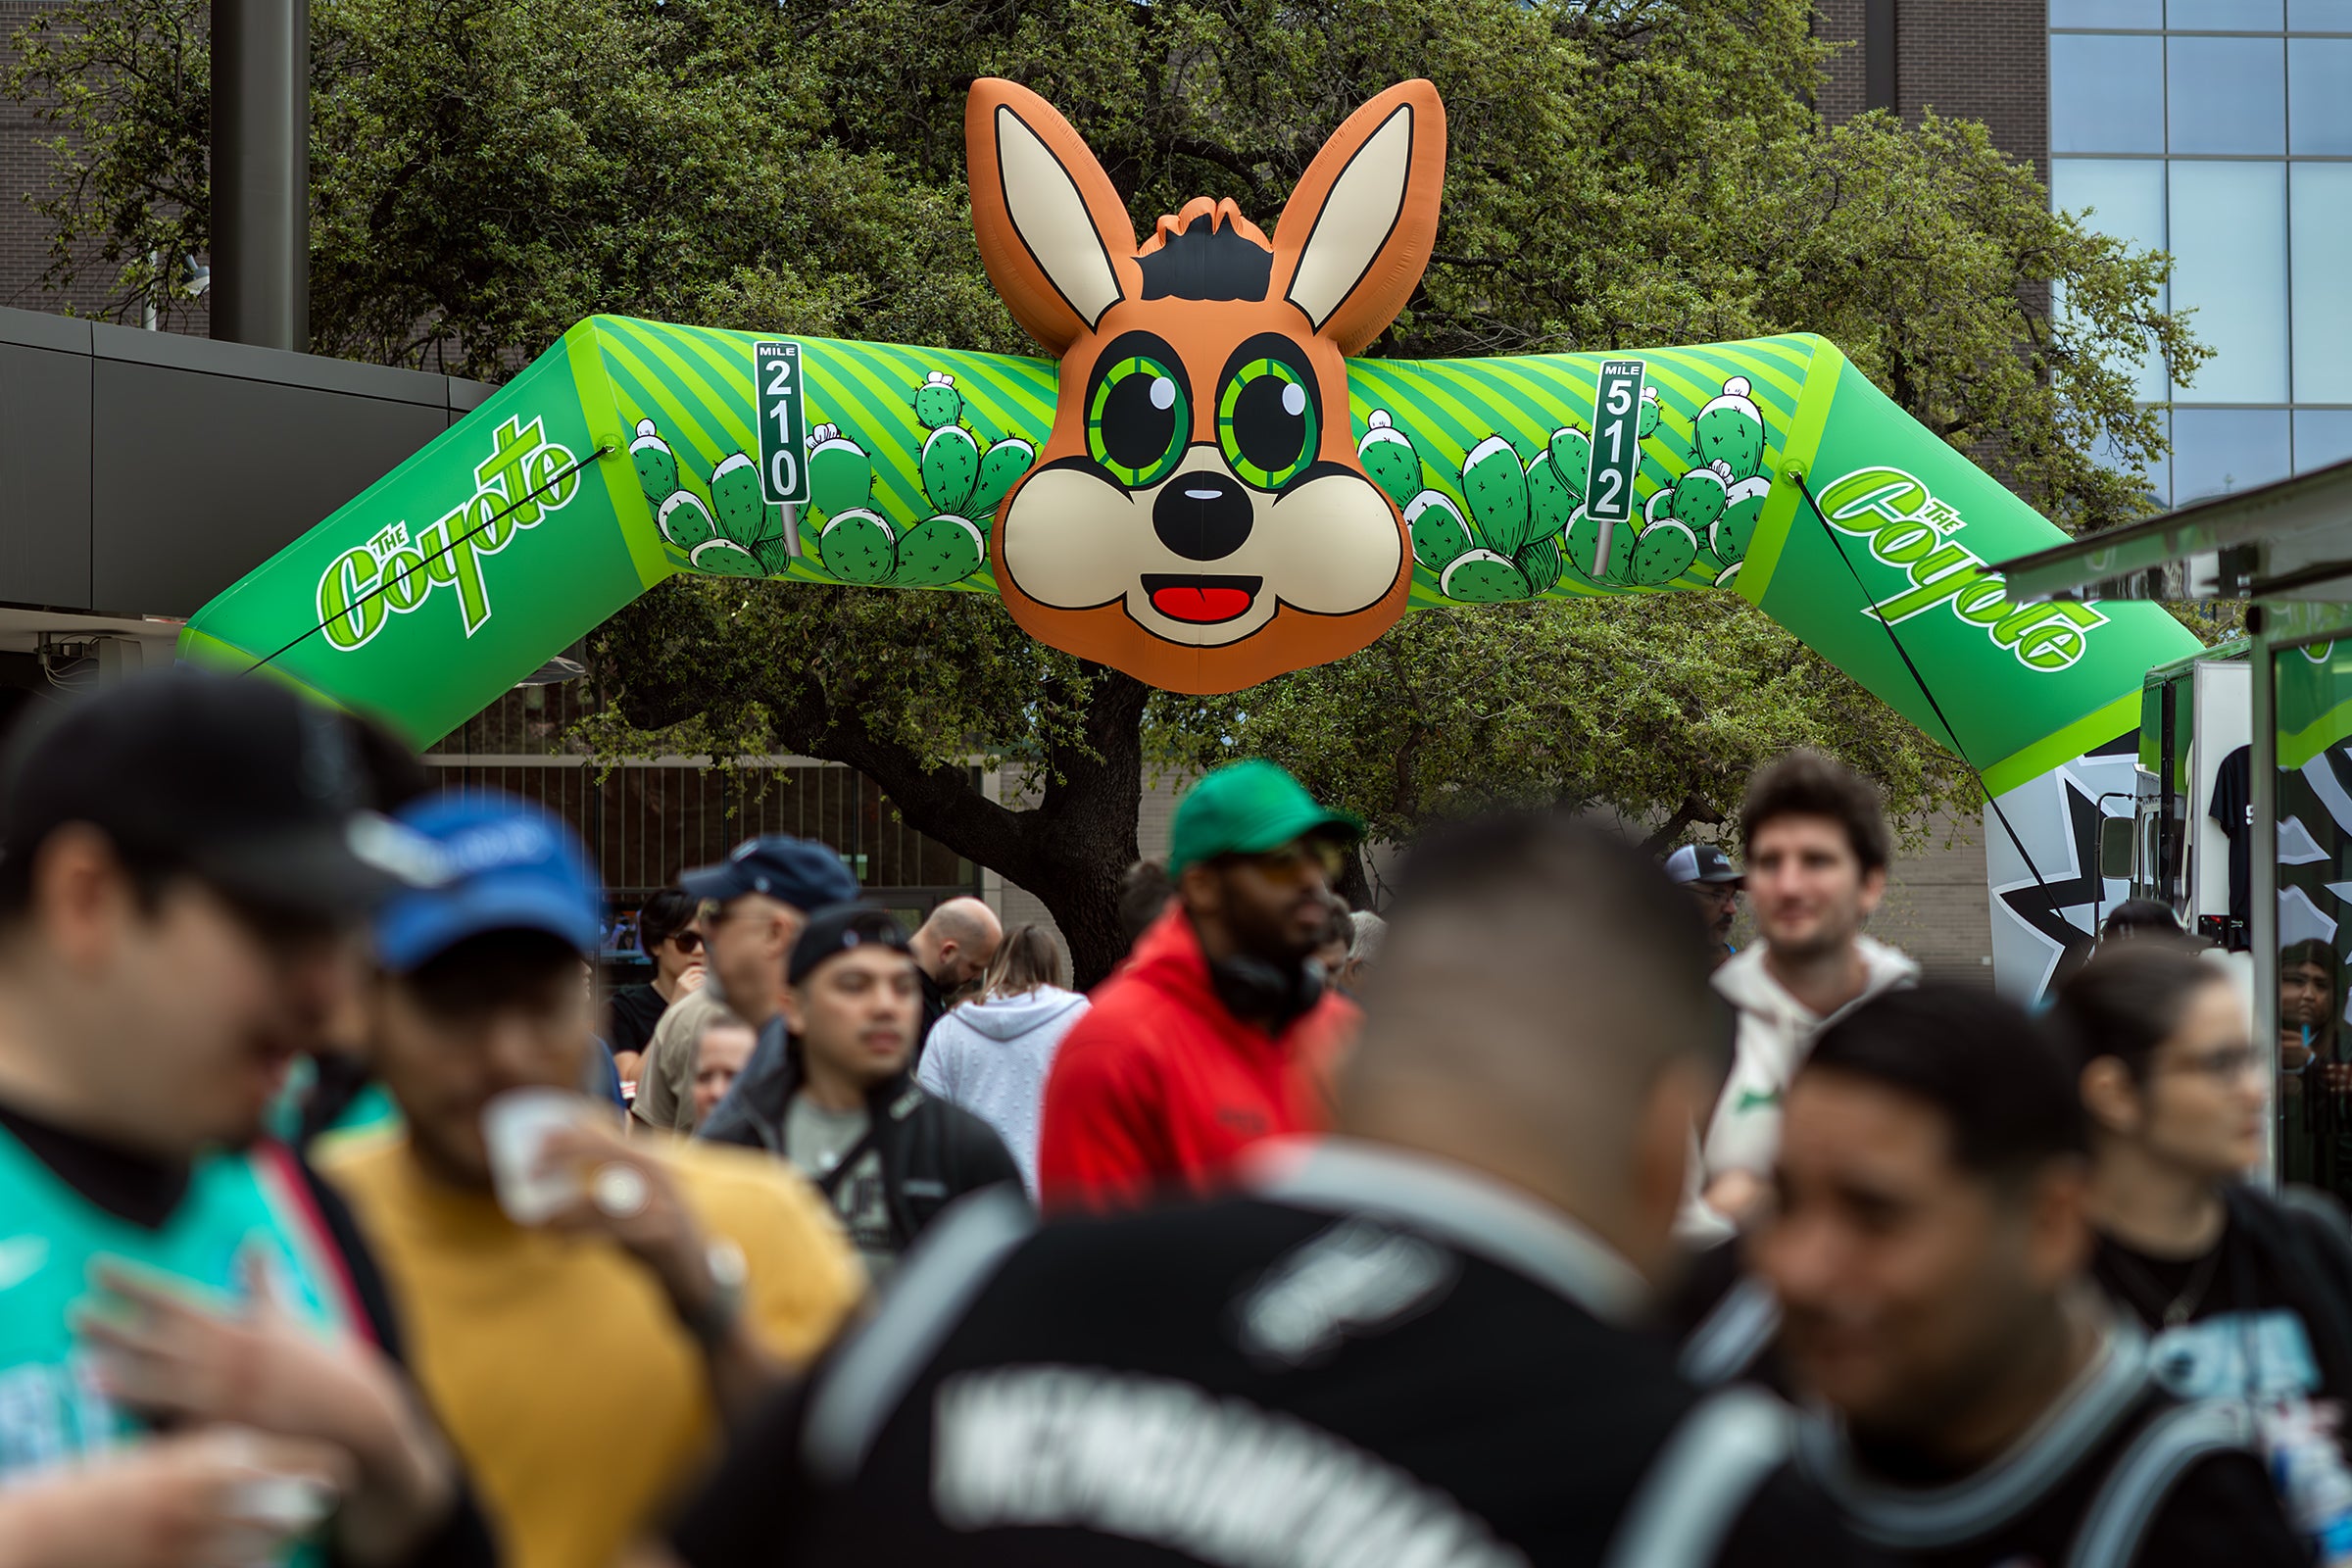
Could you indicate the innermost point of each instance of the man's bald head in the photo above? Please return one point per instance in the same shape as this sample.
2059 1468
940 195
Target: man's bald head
954 945
1540 981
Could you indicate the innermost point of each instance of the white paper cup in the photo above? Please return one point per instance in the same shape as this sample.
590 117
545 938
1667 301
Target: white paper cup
515 1127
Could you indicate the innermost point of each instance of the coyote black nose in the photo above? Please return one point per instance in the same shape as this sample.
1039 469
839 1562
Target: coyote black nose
1203 516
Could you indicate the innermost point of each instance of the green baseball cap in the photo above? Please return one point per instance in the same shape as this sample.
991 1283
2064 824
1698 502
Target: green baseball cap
1247 809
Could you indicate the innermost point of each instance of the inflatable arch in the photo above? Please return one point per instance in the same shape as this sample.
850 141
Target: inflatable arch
1205 489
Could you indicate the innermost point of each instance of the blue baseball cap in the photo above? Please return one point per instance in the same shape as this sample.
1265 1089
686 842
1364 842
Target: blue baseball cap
801 872
497 864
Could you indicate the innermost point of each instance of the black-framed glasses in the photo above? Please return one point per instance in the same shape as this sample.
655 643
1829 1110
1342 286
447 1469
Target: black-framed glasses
688 941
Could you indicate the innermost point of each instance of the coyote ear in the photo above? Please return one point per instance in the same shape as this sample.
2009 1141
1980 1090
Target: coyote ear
1056 238
1357 232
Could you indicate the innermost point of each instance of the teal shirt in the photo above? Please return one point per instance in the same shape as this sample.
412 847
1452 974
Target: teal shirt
51 1408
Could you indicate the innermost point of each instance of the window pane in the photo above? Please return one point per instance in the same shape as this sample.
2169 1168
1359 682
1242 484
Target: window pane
2319 94
2221 450
2322 238
2148 14
2321 436
2318 16
2125 196
2228 95
2229 244
2106 93
2222 16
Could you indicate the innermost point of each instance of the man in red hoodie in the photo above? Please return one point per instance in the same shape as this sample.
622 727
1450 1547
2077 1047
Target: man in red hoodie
1220 1030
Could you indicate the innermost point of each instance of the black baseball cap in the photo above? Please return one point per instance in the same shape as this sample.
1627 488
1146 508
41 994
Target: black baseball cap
801 872
234 780
839 928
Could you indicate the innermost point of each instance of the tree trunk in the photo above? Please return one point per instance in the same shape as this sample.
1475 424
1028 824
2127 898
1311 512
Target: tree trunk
1071 850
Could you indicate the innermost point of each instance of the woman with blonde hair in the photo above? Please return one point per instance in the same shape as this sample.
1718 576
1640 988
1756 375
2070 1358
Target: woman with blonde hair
990 1056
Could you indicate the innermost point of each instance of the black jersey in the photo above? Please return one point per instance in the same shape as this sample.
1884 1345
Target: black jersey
2118 1475
1364 1357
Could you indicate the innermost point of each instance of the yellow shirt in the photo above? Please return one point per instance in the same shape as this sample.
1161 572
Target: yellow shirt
554 1364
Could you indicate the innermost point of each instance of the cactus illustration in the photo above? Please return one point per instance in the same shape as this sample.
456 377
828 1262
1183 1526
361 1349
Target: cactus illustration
840 477
938 550
1389 456
1439 533
1583 537
1550 500
1542 563
1482 577
1730 432
657 464
951 467
1570 453
734 534
1651 410
858 547
1000 466
1699 496
685 521
1664 552
1729 539
724 558
1495 485
937 403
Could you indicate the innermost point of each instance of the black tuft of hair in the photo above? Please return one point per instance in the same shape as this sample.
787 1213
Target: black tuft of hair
2002 1083
1208 263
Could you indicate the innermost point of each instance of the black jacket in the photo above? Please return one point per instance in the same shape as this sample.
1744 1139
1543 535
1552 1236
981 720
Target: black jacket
932 1153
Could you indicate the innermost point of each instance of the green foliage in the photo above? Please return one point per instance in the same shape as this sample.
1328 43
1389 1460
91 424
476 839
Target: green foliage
1621 172
1654 707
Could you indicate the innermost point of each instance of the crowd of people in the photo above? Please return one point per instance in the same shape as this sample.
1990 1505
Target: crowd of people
1523 1222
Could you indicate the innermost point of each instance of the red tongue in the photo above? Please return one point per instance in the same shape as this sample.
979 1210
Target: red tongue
1200 605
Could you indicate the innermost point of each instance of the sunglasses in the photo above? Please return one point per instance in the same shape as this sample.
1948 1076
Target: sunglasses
688 941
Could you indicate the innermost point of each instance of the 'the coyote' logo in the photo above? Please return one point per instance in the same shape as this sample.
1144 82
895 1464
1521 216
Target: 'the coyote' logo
1199 517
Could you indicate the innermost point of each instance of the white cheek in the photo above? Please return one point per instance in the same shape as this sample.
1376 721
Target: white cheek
1073 541
1332 546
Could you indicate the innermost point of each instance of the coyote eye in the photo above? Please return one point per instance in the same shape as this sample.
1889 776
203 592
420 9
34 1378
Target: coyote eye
1267 420
1139 419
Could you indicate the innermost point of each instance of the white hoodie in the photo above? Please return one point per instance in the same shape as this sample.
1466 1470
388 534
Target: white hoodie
992 1057
1774 1032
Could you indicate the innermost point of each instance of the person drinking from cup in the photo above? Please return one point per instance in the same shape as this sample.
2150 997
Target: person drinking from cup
574 1296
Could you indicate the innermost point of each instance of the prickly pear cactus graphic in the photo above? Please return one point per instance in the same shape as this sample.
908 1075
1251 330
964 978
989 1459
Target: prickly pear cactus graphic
734 534
1519 528
962 482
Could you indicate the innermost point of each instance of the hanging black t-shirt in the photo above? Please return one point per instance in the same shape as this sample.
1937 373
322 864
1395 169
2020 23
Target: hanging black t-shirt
1368 1358
2233 809
635 1010
2123 1476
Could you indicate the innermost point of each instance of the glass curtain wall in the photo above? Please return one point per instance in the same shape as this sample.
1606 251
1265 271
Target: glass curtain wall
2221 131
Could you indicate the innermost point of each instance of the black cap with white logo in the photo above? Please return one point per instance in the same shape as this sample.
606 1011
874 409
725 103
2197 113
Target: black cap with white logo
236 781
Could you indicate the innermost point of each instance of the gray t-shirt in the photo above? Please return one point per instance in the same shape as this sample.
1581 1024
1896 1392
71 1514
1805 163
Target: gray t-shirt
815 1140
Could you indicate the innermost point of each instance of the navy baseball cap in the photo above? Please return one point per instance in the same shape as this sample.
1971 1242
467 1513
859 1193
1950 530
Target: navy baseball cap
500 864
801 872
839 928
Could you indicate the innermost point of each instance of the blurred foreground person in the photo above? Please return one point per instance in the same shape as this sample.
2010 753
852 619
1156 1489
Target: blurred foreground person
990 1056
845 1108
764 893
1816 848
194 1345
953 950
1928 1249
1219 1030
666 936
574 1298
2247 1296
1407 1344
